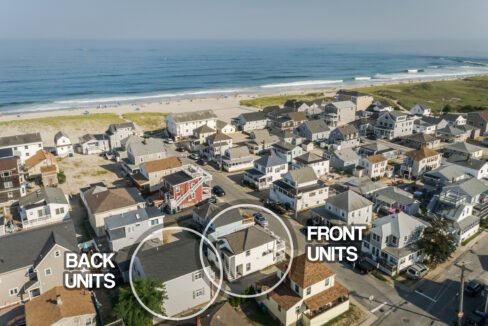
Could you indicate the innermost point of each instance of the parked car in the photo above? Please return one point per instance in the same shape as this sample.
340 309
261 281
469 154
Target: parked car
417 271
275 207
180 149
194 156
218 190
363 266
212 200
260 219
473 288
202 162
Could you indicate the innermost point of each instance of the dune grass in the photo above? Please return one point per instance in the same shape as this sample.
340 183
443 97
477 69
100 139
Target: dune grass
261 102
461 95
148 121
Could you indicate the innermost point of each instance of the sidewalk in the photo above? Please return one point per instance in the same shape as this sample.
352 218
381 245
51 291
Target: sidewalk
370 319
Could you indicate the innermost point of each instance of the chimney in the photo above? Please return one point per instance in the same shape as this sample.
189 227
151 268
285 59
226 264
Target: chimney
58 300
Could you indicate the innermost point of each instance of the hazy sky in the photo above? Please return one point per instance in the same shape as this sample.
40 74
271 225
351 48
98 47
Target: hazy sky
245 19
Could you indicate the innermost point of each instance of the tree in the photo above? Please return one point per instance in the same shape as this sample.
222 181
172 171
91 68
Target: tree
447 108
151 292
437 242
61 177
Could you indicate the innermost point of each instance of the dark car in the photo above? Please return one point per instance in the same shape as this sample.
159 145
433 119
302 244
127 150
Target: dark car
473 288
219 191
202 162
363 266
180 149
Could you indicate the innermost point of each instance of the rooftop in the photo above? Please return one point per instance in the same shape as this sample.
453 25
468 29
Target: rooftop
101 199
193 116
48 195
349 201
422 153
20 139
171 162
247 239
305 272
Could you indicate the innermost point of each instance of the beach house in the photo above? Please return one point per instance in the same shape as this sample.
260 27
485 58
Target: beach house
479 120
267 169
287 151
63 144
344 137
375 166
12 183
419 161
318 163
237 158
181 125
150 176
314 130
421 110
90 144
44 206
117 132
37 161
338 114
393 199
393 124
248 122
23 146
361 100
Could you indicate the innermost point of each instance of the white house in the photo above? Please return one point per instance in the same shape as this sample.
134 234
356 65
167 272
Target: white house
287 151
229 222
379 106
23 146
474 167
421 110
319 164
237 158
455 119
94 144
314 130
248 251
393 242
375 165
299 190
63 144
267 170
225 128
393 124
422 126
310 296
393 199
467 149
469 190
188 286
346 208
419 161
44 206
181 125
117 132
340 113
248 122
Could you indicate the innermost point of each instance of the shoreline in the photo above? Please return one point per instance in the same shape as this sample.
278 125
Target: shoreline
217 102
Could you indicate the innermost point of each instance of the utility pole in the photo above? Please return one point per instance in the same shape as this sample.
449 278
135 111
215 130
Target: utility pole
461 292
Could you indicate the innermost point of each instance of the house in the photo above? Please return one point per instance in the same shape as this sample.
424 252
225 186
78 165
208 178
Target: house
314 130
231 221
393 244
261 140
150 176
90 144
63 144
267 169
469 191
237 158
472 151
479 120
310 295
472 131
423 126
474 167
181 125
102 202
346 208
451 134
185 188
361 185
419 161
201 133
344 137
23 146
248 122
188 286
361 100
34 163
299 190
455 119
287 151
419 140
377 149
287 136
374 165
393 124
444 175
338 114
117 132
12 183
44 206
289 121
143 150
248 251
319 164
33 261
379 106
49 176
225 128
421 110
344 159
222 314
312 109
217 145
393 200
126 229
61 306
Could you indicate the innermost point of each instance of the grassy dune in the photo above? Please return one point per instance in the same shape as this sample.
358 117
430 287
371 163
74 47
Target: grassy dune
148 121
469 92
261 102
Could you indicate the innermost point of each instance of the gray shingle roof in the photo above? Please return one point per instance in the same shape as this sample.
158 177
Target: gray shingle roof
309 158
46 195
254 116
316 126
115 126
247 239
20 139
349 201
466 148
58 135
471 187
147 147
400 225
270 160
302 175
394 195
284 145
237 152
193 116
101 199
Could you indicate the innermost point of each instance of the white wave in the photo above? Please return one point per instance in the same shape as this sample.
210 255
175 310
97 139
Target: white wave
362 78
414 71
303 83
477 63
450 72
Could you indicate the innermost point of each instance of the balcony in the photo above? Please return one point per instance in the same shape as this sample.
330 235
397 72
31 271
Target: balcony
329 311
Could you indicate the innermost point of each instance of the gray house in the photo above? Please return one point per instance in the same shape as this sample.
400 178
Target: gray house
32 262
116 132
344 160
125 229
93 144
142 151
393 124
251 121
346 136
314 130
339 113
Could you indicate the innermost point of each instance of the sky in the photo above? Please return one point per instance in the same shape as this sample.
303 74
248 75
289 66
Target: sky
345 20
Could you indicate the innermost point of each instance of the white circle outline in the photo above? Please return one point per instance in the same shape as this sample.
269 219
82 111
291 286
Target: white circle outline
292 249
217 291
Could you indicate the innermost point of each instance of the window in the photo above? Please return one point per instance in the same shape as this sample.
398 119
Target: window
279 308
297 289
13 291
57 253
199 293
327 281
48 271
197 275
10 195
155 222
8 184
59 210
309 290
248 253
248 266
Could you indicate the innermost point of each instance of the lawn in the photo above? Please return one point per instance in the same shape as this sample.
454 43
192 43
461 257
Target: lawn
261 102
80 122
148 121
354 316
468 93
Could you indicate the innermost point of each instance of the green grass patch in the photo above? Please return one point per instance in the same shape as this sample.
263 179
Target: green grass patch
148 121
261 102
379 275
468 240
88 121
351 317
461 95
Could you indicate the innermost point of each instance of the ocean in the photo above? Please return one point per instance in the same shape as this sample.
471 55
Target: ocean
49 75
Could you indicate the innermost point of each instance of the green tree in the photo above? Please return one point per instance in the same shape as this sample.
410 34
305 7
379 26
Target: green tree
61 177
151 292
437 242
447 108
